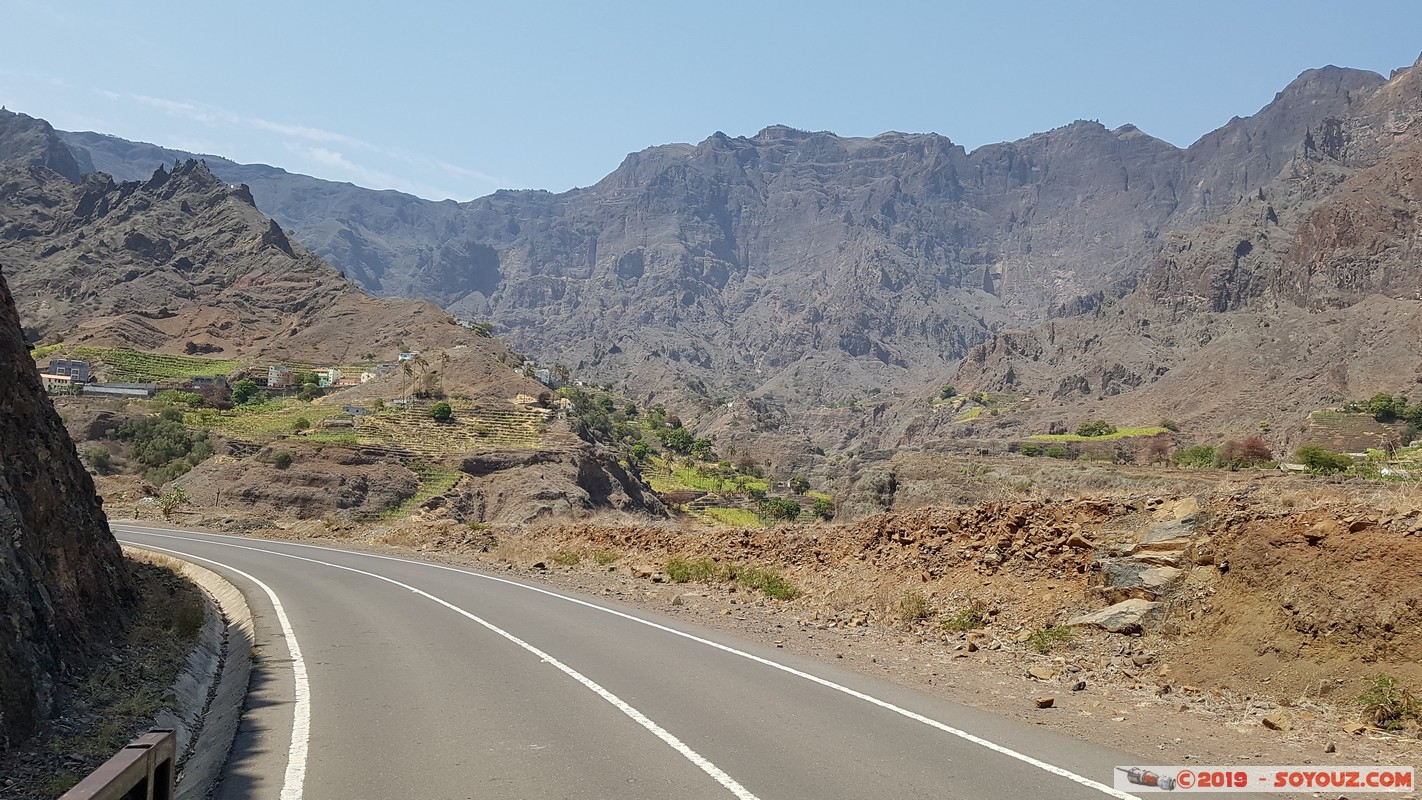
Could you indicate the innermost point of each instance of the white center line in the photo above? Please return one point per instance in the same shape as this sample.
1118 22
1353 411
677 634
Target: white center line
884 704
666 736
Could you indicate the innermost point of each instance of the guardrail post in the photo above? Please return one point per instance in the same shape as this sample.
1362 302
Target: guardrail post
144 770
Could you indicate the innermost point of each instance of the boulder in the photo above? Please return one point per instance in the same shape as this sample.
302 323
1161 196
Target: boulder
1173 535
1127 616
1126 578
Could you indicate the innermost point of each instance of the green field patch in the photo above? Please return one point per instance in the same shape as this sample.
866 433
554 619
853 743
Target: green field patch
970 415
124 365
435 480
261 422
46 350
735 517
1121 433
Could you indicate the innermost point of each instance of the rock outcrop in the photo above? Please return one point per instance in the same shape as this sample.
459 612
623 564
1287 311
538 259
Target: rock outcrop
64 590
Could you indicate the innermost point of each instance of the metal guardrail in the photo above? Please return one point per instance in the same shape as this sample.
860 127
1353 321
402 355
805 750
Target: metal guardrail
144 770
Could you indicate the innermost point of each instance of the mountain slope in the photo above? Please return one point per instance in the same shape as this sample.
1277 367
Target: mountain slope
804 265
1305 295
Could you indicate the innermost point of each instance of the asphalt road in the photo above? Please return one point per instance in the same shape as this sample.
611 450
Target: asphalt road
416 680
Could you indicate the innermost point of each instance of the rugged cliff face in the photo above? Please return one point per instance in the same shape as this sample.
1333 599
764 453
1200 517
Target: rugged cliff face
802 265
64 591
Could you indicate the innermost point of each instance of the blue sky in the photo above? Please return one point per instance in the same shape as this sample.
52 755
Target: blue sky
456 99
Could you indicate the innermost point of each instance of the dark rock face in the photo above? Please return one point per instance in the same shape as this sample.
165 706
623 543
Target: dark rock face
64 590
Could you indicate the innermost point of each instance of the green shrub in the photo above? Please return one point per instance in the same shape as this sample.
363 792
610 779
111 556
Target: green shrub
971 618
768 582
1029 449
567 558
799 484
1170 425
915 607
823 508
281 459
300 424
441 412
1201 455
1046 639
1321 460
1099 427
163 445
947 392
1057 451
604 557
1387 704
100 459
682 570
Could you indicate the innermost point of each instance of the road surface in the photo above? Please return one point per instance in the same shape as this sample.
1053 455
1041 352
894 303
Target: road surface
383 677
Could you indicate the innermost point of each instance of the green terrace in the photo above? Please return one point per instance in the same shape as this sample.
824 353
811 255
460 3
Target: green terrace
118 364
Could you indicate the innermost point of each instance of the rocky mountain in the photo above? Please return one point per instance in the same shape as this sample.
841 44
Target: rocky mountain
1305 294
64 591
804 267
29 142
184 262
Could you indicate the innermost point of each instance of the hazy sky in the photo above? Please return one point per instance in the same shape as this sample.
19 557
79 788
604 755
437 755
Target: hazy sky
456 99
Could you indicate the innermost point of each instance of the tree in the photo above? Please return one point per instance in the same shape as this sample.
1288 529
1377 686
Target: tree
701 448
779 508
1200 455
1321 460
1098 427
799 484
947 392
823 508
408 369
1057 451
677 440
1029 449
243 391
441 412
1384 407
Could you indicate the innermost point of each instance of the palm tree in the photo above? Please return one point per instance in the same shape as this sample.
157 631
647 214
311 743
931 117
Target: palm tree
409 370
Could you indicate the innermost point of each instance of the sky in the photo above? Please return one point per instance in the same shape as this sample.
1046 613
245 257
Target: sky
458 99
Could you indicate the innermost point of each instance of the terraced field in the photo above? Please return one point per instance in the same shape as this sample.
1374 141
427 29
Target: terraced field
472 428
122 365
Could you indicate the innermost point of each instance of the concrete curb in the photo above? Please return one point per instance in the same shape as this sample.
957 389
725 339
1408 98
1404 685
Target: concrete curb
209 692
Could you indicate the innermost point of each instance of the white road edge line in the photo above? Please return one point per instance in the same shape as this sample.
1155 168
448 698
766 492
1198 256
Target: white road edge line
705 765
294 781
884 704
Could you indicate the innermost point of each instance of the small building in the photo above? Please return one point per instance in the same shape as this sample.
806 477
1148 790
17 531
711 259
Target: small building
279 377
78 370
355 411
56 383
326 376
408 356
121 389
